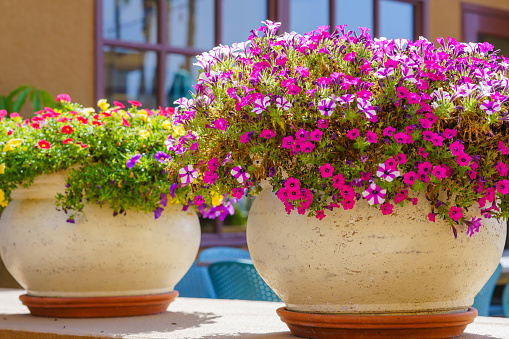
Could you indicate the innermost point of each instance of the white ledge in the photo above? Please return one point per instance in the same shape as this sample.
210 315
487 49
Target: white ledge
185 318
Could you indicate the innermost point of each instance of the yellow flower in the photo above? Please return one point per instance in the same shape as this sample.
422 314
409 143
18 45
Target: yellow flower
143 114
88 110
217 199
11 144
3 202
144 134
167 124
173 201
178 129
103 104
2 168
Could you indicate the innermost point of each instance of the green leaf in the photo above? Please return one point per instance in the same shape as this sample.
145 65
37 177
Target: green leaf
20 100
47 99
35 98
17 91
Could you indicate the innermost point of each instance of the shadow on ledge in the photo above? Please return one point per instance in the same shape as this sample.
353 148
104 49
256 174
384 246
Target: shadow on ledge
117 327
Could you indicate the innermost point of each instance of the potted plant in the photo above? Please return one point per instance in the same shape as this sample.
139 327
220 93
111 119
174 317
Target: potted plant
380 168
91 226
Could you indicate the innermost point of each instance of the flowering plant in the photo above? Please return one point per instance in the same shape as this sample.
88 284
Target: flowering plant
330 119
114 156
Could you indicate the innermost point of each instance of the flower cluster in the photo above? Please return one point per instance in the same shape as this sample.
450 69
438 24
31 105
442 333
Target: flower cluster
115 155
329 119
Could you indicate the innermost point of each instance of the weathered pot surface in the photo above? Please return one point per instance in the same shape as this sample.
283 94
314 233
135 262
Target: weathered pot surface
362 262
99 255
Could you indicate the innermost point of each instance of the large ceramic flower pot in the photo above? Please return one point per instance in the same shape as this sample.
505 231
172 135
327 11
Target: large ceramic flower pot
124 265
362 263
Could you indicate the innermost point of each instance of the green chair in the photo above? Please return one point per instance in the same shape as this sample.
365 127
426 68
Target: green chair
238 279
482 300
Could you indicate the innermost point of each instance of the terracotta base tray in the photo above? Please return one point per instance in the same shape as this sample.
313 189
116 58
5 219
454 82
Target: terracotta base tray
327 326
96 307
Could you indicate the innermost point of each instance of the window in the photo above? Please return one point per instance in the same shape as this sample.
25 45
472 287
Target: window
145 49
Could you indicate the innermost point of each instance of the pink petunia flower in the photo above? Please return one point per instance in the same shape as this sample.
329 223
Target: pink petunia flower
409 178
221 124
348 203
287 142
292 183
323 123
316 135
302 135
455 213
308 147
503 186
386 208
501 169
326 107
326 170
352 134
463 159
267 133
401 158
371 137
389 131
456 147
400 196
320 214
187 174
338 181
431 217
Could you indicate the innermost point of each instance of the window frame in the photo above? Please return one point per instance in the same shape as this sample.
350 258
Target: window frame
277 10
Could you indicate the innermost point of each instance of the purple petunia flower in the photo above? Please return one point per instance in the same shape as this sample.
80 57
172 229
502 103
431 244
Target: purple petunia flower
326 107
473 226
240 174
163 199
387 173
162 157
281 102
374 194
173 188
261 105
157 212
131 162
490 107
187 174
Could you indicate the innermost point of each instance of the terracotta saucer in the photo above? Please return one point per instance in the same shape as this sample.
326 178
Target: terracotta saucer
326 326
96 307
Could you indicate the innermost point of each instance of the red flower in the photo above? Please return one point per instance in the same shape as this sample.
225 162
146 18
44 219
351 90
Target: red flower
125 122
84 121
118 104
134 103
67 141
97 123
67 129
44 144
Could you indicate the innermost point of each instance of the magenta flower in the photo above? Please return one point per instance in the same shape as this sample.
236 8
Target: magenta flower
292 183
352 134
401 158
246 137
307 147
132 161
501 169
463 159
386 208
374 194
338 181
455 213
424 167
162 157
348 204
449 133
326 107
320 214
326 170
316 135
240 174
293 193
365 106
400 196
431 217
439 172
346 99
210 177
323 123
409 178
237 193
213 164
422 152
302 135
347 192
389 131
294 90
198 200
267 133
371 137
221 124
401 138
187 174
287 142
387 173
503 187
456 147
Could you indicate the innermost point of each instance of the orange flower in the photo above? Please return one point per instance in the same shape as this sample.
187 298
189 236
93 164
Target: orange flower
67 129
44 144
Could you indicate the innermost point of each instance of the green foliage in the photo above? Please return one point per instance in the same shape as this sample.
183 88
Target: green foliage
38 98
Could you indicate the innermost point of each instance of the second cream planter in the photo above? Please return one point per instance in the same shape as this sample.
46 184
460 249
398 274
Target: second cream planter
360 262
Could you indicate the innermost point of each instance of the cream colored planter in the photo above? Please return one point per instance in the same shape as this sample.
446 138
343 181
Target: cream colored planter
362 262
99 255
